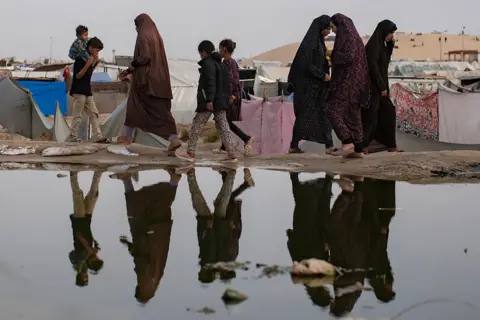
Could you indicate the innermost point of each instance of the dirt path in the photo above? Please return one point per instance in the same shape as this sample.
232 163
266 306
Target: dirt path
418 167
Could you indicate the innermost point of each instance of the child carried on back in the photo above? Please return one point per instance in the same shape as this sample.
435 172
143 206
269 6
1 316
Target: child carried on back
78 49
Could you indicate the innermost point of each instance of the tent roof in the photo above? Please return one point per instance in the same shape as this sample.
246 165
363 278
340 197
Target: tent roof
101 77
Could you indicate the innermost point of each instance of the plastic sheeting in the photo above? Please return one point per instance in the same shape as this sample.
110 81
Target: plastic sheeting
19 113
101 77
267 78
113 127
270 122
46 93
459 116
423 68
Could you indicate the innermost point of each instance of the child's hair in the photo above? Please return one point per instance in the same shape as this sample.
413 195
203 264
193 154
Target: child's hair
229 45
81 30
95 43
209 48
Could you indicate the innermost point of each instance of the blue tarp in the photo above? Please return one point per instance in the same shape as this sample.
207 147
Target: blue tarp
46 93
101 77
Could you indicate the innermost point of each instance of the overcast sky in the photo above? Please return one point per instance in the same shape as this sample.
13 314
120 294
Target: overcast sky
256 25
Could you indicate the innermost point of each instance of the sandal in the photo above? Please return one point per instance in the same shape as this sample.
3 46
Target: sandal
395 150
185 156
247 177
354 155
295 150
333 151
248 147
174 145
219 151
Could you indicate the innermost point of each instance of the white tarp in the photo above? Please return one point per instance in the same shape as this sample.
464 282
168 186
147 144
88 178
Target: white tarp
184 79
113 127
458 116
267 78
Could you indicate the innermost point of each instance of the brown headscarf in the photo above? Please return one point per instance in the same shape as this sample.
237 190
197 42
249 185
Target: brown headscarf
150 61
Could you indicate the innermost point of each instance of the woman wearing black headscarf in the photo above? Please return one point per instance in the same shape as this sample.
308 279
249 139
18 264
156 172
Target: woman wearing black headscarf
379 119
309 77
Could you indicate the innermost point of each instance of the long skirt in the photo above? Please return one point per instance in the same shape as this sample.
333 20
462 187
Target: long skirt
311 121
386 132
379 121
346 120
151 114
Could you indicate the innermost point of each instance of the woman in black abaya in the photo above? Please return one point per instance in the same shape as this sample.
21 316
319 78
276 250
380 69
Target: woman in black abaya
309 77
379 120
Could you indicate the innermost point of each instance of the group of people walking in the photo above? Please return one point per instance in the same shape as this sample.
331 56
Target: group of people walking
352 99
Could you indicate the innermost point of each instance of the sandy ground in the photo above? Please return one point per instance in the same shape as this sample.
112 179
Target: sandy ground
417 167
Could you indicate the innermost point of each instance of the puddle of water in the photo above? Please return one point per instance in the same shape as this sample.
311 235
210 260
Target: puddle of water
424 256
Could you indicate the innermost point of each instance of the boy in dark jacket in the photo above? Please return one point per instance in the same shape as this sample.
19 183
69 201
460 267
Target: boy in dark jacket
212 98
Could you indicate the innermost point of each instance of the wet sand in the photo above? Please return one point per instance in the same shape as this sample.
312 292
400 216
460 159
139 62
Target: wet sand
417 167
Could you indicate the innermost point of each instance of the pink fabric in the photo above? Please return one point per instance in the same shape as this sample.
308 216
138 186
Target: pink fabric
271 124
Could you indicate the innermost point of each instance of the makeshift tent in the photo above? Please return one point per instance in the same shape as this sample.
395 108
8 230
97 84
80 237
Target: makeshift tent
101 77
270 122
459 116
19 113
113 127
184 79
448 115
46 93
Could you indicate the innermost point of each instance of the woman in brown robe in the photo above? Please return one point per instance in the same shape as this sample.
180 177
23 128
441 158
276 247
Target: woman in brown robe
150 98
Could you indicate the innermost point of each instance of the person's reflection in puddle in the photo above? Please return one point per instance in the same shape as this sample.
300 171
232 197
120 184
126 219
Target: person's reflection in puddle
219 232
307 238
149 215
380 201
348 234
84 257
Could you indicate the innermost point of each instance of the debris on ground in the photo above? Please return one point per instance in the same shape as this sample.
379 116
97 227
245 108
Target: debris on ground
228 266
204 310
61 175
12 151
313 267
232 296
272 271
70 150
120 150
313 282
16 166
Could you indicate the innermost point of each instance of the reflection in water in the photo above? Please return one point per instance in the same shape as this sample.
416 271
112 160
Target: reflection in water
348 236
352 235
380 201
219 232
149 215
84 256
307 238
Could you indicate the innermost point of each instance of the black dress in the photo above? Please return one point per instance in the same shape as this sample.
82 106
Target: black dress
379 120
309 88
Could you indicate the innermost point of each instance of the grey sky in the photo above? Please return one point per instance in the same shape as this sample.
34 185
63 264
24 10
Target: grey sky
256 25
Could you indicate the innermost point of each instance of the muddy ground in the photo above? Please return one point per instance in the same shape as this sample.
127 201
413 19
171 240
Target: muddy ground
417 167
